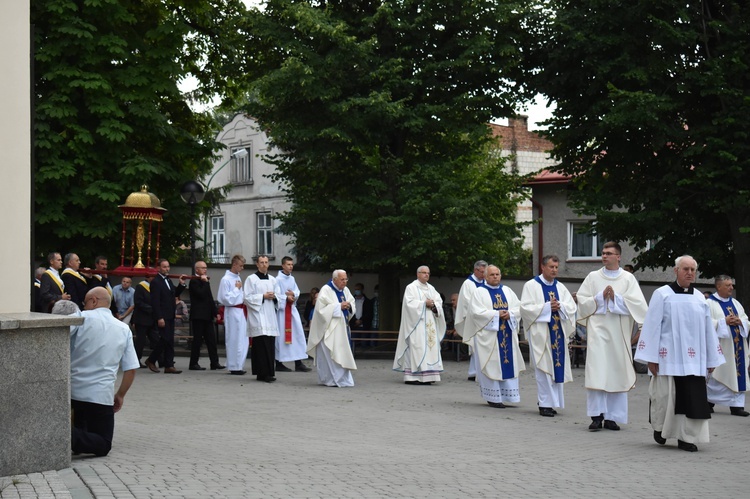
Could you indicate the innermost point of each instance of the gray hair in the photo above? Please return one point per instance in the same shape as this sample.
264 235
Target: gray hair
547 258
480 264
336 273
66 307
679 259
419 269
721 278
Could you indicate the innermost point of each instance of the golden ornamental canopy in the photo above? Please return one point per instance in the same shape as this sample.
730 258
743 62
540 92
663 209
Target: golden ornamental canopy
142 205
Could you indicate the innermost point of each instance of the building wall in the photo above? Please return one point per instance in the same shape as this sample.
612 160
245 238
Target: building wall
528 154
552 214
15 165
245 200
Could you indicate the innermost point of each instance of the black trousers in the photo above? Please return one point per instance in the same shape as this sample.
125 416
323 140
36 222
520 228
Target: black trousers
93 427
263 356
165 347
203 330
142 335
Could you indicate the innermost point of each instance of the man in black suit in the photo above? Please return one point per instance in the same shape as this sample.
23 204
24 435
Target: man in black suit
76 285
163 294
202 313
51 287
142 318
362 319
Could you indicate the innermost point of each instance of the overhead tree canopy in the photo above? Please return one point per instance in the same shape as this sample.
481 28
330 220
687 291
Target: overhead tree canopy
380 109
109 115
652 119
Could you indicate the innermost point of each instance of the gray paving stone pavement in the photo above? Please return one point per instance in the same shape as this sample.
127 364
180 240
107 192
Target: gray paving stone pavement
208 434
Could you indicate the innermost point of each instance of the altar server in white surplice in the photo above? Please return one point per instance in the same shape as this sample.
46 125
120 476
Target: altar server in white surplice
610 301
492 328
290 343
262 299
548 314
420 333
232 297
328 342
465 294
679 344
729 382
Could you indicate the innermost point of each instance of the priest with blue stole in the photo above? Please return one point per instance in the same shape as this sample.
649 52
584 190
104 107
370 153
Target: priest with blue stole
328 342
729 382
492 328
548 313
680 346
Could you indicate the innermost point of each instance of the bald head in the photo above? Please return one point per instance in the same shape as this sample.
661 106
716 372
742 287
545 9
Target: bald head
97 297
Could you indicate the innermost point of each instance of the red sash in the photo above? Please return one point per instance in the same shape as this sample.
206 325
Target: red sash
288 322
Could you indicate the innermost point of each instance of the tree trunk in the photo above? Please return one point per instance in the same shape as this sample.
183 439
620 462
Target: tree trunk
389 299
741 246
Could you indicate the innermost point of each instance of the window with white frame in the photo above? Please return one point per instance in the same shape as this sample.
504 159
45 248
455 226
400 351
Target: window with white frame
264 224
581 242
218 237
241 166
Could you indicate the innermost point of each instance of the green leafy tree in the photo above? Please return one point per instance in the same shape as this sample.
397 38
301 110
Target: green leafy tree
379 109
652 121
109 115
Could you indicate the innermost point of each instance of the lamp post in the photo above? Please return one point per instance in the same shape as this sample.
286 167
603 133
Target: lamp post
192 193
239 153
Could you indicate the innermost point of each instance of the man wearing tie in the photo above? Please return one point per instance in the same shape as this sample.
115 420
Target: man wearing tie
163 294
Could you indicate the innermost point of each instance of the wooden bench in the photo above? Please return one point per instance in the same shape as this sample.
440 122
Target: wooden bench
389 337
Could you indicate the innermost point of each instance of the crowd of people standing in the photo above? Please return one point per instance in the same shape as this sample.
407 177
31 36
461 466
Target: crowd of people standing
695 347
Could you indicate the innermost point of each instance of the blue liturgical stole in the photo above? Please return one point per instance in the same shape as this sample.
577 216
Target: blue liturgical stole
504 332
556 339
342 298
477 284
739 343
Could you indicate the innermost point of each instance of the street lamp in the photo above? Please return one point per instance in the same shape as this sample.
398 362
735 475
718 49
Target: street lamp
239 153
192 193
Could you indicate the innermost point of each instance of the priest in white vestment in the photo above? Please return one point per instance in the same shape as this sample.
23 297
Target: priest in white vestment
420 333
610 301
729 382
261 298
679 343
548 313
232 297
492 327
290 343
475 279
328 341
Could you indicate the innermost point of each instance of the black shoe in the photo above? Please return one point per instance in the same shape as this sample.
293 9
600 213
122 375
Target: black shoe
658 438
412 382
267 379
739 411
472 378
216 367
238 373
596 424
711 407
686 446
547 412
282 368
301 368
196 367
498 405
611 425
